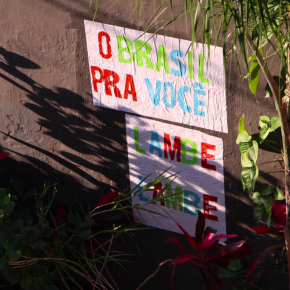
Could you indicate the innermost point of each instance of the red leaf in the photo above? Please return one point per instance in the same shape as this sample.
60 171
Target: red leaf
208 245
176 242
107 198
230 248
183 258
260 230
264 255
199 228
171 284
279 213
207 239
4 155
241 252
190 239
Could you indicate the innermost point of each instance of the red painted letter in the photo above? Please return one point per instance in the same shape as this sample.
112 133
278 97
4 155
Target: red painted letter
95 81
111 83
109 49
207 207
131 91
205 156
176 147
158 190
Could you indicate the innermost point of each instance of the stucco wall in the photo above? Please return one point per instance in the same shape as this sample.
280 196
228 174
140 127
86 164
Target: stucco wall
54 133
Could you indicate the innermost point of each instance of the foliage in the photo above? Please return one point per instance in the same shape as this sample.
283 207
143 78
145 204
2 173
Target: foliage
45 249
207 253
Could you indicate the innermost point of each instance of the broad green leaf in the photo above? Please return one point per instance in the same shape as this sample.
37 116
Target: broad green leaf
85 223
259 210
249 176
39 271
264 132
40 244
235 265
8 208
265 189
243 137
74 220
246 162
2 263
26 282
14 255
226 273
13 241
254 74
242 125
268 200
7 199
257 198
275 123
254 150
2 240
264 121
279 195
2 194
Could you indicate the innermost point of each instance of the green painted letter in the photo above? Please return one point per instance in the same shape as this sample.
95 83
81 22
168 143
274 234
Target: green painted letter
200 70
127 49
174 199
139 44
136 137
162 59
191 152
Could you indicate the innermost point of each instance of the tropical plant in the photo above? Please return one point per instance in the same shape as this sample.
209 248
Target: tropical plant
206 255
45 249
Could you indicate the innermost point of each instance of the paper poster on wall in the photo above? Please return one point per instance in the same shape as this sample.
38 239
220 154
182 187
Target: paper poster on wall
156 76
153 147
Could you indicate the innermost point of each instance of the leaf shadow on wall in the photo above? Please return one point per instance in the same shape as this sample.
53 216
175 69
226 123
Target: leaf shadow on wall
83 147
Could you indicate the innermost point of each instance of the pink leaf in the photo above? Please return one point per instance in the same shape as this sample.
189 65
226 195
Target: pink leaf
207 239
190 239
279 213
183 258
4 155
176 242
218 238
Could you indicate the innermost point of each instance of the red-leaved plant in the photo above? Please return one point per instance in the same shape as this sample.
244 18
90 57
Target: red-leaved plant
278 251
207 252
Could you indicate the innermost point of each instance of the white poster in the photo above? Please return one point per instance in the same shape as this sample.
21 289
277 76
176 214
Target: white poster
156 76
197 157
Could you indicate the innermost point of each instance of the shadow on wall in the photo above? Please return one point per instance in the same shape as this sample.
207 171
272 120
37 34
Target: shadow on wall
88 163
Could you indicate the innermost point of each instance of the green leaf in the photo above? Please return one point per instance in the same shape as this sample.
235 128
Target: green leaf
39 271
48 232
14 255
1 213
85 223
72 250
2 229
2 194
40 244
243 137
277 79
259 210
249 176
279 195
242 125
264 132
235 265
2 263
28 221
254 73
26 282
268 208
257 198
7 199
8 208
275 123
13 241
265 189
254 150
226 273
74 220
264 121
85 235
246 162
2 240
11 226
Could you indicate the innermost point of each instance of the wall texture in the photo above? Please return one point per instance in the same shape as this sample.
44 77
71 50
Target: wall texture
54 133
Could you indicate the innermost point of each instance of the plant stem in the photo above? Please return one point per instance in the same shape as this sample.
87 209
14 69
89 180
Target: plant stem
154 274
282 114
